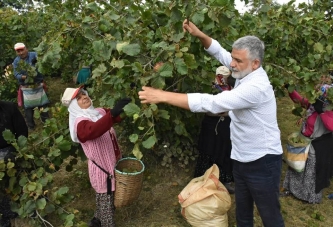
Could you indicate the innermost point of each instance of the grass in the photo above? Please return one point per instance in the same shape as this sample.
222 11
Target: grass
158 205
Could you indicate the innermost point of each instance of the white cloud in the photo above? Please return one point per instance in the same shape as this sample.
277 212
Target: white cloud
240 5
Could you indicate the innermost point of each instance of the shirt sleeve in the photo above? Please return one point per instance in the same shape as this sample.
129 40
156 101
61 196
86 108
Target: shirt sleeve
297 98
244 96
89 130
18 75
219 53
31 57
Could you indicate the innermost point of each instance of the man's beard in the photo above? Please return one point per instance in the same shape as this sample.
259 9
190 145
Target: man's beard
241 74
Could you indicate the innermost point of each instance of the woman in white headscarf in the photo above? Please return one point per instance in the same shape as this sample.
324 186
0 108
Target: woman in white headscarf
92 128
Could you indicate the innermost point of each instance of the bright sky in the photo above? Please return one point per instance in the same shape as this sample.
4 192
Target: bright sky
241 6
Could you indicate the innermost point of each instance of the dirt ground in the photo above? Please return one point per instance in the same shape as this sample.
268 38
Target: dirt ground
157 205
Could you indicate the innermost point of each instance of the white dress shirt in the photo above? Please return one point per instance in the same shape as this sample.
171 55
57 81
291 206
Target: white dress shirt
251 104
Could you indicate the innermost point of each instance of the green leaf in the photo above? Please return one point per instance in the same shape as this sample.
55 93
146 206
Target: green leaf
87 19
150 142
177 37
318 47
133 138
136 152
49 208
62 190
29 207
296 68
163 114
98 71
166 70
59 139
153 107
190 61
180 66
137 67
219 2
121 45
176 15
317 56
147 113
41 203
10 165
188 9
55 152
22 141
69 220
11 172
180 130
224 20
64 145
2 165
101 51
88 33
298 111
114 16
131 109
184 49
8 135
158 82
31 186
131 49
92 6
198 18
265 8
117 63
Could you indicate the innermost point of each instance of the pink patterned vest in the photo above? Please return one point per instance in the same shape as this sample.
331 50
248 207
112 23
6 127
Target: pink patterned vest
101 150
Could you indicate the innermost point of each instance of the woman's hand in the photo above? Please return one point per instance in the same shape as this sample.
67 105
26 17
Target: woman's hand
299 121
118 108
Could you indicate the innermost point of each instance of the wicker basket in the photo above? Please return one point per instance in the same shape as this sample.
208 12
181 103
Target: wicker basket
129 175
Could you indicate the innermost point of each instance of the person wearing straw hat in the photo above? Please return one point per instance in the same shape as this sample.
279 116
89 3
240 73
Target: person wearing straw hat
92 128
214 142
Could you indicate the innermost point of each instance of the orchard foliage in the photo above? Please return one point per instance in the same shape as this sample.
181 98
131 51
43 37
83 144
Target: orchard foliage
28 27
29 178
123 41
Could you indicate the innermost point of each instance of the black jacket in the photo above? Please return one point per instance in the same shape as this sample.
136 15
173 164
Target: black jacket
12 119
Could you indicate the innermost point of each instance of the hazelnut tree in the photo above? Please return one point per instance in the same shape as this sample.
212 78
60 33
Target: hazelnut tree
133 43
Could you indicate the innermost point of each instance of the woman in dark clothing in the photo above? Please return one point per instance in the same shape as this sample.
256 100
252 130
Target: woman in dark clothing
11 119
214 139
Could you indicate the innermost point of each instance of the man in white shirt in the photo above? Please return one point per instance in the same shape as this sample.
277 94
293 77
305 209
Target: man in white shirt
256 144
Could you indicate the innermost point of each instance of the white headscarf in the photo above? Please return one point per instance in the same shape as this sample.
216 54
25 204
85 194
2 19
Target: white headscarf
75 111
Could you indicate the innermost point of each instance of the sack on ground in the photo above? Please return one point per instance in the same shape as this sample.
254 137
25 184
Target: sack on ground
205 201
297 151
34 97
